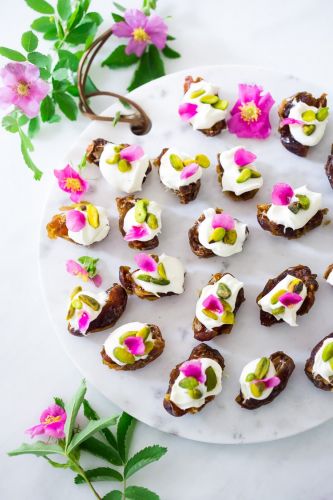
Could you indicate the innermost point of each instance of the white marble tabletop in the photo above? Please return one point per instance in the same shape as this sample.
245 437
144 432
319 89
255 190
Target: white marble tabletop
293 37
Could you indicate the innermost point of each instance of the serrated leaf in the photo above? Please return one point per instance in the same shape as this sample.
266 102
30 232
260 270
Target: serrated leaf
10 124
59 402
42 24
11 54
80 33
64 9
101 450
91 428
40 6
142 458
40 60
37 448
47 109
140 493
113 495
69 59
99 474
124 432
34 127
72 409
119 59
119 6
170 53
117 18
150 67
29 41
67 105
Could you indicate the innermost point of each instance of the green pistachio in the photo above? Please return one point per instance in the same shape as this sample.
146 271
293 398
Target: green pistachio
90 301
152 221
221 104
144 332
176 162
140 210
197 93
217 235
125 335
223 291
149 346
123 355
322 114
93 216
188 161
210 314
161 270
255 174
303 200
211 378
195 393
70 312
262 368
230 237
124 166
118 147
294 207
278 310
275 297
257 389
209 99
75 291
113 159
188 383
202 160
295 286
226 306
309 129
250 377
309 115
228 318
150 279
244 176
77 304
327 353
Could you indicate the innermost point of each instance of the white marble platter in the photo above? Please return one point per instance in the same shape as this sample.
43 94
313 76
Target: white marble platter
301 406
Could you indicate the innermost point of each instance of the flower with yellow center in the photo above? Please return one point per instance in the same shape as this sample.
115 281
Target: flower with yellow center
73 184
140 35
249 112
50 419
22 89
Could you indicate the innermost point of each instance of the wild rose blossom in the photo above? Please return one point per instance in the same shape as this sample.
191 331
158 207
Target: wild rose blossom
142 30
145 262
250 114
75 220
282 194
22 88
71 182
243 157
52 423
135 345
193 368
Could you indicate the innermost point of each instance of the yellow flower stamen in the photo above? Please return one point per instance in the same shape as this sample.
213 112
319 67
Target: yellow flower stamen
140 35
22 89
73 184
249 112
50 419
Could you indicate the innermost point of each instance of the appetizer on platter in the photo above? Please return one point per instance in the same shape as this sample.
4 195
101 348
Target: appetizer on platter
217 233
328 274
319 366
156 277
263 379
82 223
290 294
303 121
292 213
202 106
132 346
139 222
237 176
217 306
329 167
195 382
181 173
90 312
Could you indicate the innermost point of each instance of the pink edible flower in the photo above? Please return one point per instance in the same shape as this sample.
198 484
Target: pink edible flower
136 233
142 30
71 182
23 88
84 321
243 157
145 262
189 170
52 423
213 304
193 368
75 220
250 114
76 269
282 194
97 280
135 345
271 382
290 121
289 299
187 110
223 220
131 153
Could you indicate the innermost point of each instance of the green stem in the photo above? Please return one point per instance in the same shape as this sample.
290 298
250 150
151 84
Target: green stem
82 473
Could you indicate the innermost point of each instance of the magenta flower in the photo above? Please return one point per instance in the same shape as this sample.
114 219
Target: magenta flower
141 30
145 262
135 345
187 110
250 114
23 88
52 423
71 182
132 153
76 269
223 220
271 382
75 220
136 233
243 157
189 170
84 321
213 304
193 368
289 299
282 194
97 280
290 121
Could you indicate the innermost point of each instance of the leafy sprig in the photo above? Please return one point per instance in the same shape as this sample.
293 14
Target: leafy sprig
111 448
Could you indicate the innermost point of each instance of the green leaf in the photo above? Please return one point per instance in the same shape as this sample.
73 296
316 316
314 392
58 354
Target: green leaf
72 409
116 118
40 6
60 32
51 34
60 74
143 458
171 38
64 9
170 53
47 109
80 34
30 163
14 55
113 495
89 263
34 127
67 105
25 140
124 428
93 17
40 60
69 58
119 59
44 73
29 41
117 18
59 402
101 450
76 17
119 6
99 474
55 119
91 428
140 493
57 465
10 124
37 448
43 24
150 67
88 411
